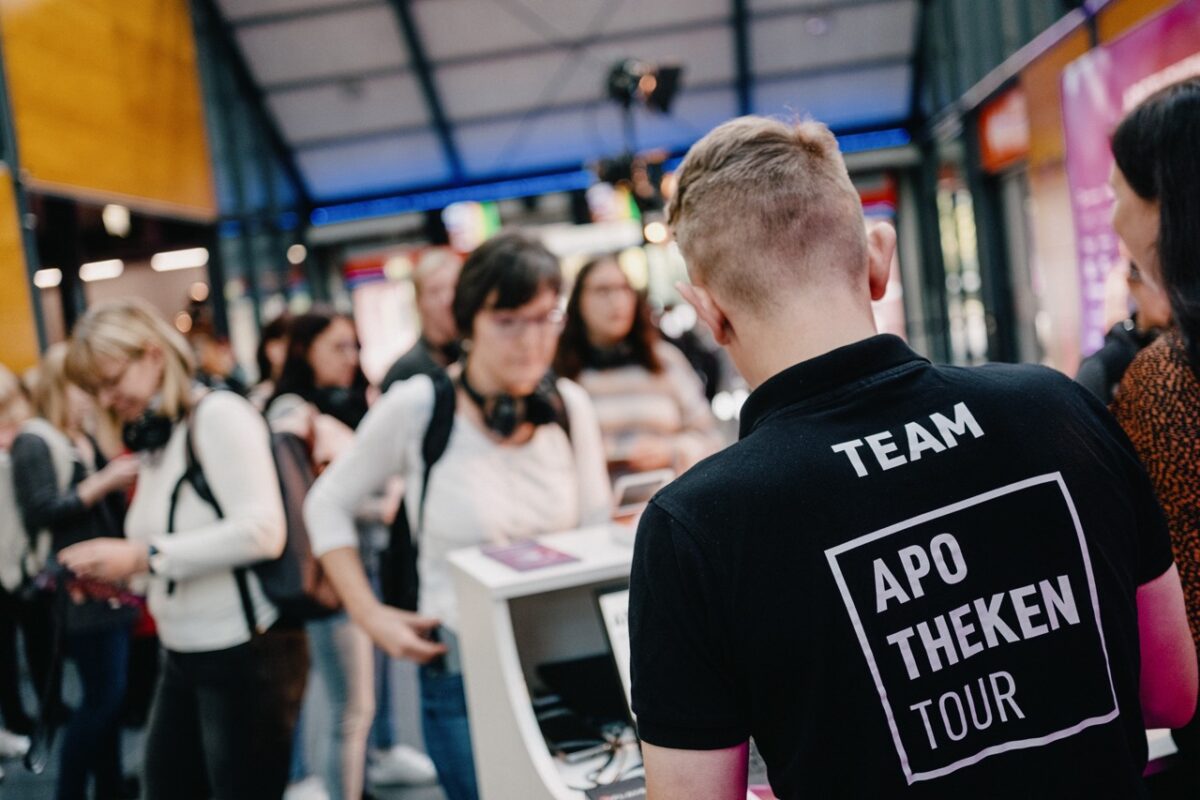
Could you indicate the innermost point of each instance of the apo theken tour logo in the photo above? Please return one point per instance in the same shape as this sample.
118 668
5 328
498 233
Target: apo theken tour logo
976 650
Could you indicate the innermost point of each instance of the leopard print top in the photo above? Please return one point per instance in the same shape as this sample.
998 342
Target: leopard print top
1158 405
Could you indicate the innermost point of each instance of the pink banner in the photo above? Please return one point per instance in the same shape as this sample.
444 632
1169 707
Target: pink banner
1098 89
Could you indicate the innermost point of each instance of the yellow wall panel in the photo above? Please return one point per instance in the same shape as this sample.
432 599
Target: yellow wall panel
107 101
18 330
1121 15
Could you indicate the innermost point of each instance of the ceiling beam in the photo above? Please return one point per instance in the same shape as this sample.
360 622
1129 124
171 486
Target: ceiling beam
424 75
847 68
224 42
920 66
741 56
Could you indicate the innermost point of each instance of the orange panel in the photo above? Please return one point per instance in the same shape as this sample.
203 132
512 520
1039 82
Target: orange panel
18 330
107 101
1041 82
1121 15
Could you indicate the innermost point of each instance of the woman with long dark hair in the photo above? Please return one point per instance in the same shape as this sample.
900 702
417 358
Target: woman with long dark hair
322 368
1157 214
269 357
649 400
321 384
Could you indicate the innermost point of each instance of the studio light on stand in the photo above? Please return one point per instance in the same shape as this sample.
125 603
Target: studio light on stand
651 85
631 82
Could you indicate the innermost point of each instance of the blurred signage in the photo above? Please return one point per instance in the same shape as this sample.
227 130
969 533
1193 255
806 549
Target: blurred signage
1097 89
1004 131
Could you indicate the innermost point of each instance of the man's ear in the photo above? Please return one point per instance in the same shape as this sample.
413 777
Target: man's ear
708 311
881 248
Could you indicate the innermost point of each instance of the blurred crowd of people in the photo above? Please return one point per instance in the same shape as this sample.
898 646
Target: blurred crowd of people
146 481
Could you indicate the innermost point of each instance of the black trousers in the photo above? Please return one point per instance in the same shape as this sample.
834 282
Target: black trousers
222 722
34 617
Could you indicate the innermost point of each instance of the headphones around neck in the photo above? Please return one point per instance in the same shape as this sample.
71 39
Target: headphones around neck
150 431
504 413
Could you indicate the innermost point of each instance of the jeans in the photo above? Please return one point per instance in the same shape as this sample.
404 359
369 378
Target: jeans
92 740
447 731
383 728
342 656
222 722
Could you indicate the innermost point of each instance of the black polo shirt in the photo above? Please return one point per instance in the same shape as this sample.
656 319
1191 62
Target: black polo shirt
905 580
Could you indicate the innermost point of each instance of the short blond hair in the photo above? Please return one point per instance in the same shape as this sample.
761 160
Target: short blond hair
762 205
14 405
122 330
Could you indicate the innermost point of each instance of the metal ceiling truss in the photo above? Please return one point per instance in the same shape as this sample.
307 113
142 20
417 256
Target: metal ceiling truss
422 68
596 103
424 74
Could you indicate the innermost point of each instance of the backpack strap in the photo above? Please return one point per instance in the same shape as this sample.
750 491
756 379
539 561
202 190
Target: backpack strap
193 475
437 435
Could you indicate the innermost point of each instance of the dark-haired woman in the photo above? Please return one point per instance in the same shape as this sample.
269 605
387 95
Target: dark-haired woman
270 355
649 400
510 471
322 386
1157 215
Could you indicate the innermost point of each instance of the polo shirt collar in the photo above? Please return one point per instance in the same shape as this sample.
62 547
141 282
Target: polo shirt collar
837 368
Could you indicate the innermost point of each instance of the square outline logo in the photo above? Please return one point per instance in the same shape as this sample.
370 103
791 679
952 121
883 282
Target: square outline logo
1020 744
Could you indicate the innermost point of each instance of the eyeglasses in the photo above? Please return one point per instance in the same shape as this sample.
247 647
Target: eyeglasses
512 326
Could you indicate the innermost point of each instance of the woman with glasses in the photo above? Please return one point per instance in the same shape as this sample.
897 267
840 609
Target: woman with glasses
233 673
510 471
649 400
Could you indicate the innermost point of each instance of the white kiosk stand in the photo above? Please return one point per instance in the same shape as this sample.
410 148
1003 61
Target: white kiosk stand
510 622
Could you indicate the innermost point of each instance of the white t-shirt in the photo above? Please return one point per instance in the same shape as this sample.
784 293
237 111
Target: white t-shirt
480 491
204 611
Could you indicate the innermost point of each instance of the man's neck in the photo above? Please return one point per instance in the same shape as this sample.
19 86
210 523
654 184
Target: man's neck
768 347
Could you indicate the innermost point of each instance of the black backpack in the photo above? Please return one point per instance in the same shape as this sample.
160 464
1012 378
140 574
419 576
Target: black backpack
294 582
399 580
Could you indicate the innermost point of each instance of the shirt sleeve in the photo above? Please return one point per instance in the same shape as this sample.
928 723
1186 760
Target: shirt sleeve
35 483
699 437
233 447
595 492
378 452
684 692
1164 478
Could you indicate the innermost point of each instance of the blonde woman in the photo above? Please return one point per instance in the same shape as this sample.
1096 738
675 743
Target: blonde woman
233 675
67 493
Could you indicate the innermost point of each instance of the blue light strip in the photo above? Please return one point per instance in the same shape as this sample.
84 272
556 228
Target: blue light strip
546 184
874 140
429 201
